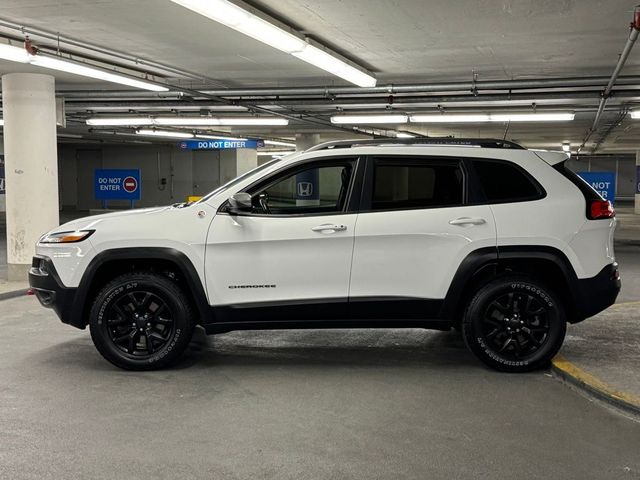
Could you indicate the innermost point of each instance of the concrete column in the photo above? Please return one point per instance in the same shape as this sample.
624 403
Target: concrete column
306 140
637 196
234 163
31 165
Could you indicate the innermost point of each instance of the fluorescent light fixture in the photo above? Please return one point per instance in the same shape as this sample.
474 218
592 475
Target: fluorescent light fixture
1 122
532 117
243 21
19 54
220 137
326 61
404 135
164 133
188 121
279 143
13 54
277 36
358 119
635 114
566 146
120 121
275 153
491 117
218 121
68 66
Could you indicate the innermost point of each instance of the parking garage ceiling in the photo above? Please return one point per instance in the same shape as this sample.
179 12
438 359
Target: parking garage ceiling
401 42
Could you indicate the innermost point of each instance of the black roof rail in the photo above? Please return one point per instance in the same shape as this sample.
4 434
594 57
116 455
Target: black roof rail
463 142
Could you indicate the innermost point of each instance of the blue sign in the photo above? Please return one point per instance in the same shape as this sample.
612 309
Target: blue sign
602 182
219 144
112 184
2 192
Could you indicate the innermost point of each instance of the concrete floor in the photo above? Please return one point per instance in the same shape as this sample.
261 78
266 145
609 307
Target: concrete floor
344 404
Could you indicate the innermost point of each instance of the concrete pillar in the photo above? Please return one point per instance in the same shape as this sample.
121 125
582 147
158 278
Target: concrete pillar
31 165
637 203
306 140
236 162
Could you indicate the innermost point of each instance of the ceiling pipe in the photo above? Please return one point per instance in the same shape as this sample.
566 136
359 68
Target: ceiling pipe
391 89
570 82
633 36
57 39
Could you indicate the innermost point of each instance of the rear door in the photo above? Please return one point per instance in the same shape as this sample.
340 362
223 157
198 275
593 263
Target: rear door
417 224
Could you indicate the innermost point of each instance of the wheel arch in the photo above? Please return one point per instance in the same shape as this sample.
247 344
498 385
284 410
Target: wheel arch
110 263
546 264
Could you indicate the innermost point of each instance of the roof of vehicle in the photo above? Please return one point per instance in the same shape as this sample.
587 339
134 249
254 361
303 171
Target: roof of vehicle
418 141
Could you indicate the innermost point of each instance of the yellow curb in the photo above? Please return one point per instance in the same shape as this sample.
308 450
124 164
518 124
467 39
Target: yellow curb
624 304
595 385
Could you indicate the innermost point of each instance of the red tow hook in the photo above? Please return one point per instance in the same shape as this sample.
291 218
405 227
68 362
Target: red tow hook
31 291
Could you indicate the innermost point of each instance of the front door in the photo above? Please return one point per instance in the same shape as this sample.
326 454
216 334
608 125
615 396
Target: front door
290 257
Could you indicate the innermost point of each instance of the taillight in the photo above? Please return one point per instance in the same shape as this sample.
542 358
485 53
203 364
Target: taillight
601 209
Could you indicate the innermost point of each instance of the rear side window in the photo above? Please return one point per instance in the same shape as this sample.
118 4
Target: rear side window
401 186
504 182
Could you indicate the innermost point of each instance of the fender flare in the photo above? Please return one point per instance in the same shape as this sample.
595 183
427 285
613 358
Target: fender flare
176 257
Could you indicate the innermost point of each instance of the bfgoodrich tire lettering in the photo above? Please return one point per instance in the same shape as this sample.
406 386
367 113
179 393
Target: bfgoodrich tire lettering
514 324
141 321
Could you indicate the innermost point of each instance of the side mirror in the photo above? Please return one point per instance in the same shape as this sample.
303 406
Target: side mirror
240 202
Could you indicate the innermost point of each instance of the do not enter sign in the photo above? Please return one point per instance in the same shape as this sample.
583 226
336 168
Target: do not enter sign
117 184
130 184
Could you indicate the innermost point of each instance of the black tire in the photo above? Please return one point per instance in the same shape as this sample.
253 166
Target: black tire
514 324
141 321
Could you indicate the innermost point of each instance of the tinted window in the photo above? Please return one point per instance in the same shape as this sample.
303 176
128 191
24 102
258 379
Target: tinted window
313 190
413 185
504 182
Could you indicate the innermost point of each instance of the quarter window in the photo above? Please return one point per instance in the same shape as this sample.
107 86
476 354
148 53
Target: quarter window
504 182
411 185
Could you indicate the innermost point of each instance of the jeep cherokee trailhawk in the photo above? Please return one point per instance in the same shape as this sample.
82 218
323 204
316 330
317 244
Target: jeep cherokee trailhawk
503 243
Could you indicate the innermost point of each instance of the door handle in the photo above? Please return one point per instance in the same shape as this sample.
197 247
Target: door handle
329 227
467 221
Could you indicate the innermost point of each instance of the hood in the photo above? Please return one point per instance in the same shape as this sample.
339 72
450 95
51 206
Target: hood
93 221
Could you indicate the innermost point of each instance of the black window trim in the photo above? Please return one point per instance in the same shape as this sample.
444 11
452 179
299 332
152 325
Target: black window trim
351 205
542 193
366 199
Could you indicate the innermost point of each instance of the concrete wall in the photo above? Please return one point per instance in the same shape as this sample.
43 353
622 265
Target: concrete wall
185 173
3 205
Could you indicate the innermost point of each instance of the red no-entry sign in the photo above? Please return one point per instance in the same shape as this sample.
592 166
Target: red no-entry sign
130 184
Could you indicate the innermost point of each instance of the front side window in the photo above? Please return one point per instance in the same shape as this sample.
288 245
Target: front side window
314 190
410 185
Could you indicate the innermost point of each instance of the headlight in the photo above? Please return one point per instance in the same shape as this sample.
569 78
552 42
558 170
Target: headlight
67 237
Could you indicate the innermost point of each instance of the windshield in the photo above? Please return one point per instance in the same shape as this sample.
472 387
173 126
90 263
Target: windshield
237 180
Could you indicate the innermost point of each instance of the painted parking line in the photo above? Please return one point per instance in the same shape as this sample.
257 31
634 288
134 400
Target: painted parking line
594 386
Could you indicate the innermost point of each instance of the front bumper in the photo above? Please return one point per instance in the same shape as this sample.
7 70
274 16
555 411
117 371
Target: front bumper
51 292
595 294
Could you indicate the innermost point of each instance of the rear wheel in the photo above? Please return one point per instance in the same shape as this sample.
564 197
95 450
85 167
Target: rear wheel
514 324
141 321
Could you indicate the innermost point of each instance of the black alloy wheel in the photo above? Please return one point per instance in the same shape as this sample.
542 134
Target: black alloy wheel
141 321
514 324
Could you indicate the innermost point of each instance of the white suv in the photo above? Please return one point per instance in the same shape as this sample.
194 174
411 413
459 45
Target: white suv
501 242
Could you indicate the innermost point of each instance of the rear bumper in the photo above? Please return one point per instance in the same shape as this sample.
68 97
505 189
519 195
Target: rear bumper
595 294
50 291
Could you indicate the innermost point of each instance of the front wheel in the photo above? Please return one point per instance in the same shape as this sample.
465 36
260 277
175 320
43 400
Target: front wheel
141 321
514 324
